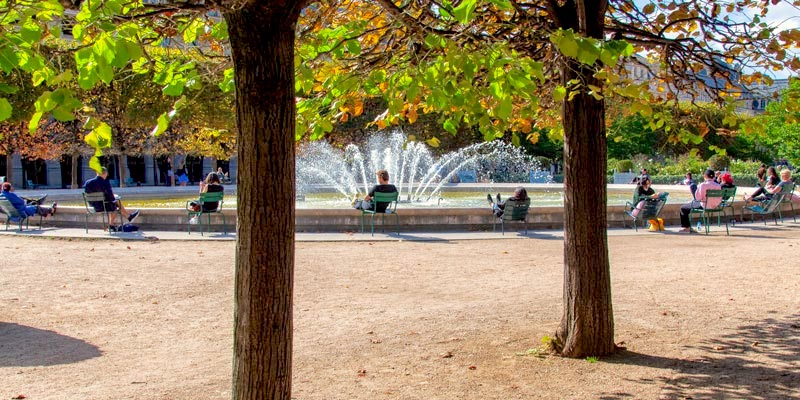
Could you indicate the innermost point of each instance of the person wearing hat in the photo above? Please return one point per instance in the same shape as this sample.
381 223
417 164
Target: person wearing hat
727 180
100 184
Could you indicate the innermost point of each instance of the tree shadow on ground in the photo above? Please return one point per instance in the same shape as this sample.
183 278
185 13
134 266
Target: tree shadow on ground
758 361
25 346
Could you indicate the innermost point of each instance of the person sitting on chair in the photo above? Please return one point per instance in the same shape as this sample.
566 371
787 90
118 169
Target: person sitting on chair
498 207
25 208
100 184
383 186
765 191
700 198
211 185
727 181
644 193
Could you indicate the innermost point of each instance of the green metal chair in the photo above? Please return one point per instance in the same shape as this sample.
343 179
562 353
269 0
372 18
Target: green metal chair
705 213
513 210
391 208
771 206
788 192
212 197
12 215
728 197
99 197
651 210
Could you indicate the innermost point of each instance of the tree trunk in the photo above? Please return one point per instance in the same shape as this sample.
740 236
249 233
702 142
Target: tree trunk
587 323
262 42
123 169
10 166
74 172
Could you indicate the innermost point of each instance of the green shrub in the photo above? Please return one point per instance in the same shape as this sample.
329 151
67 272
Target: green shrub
744 167
624 165
719 162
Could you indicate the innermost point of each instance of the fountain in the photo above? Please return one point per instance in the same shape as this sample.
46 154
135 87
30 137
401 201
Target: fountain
418 175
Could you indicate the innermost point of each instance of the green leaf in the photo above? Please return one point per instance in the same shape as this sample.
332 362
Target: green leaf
354 47
161 126
568 46
8 89
175 88
99 137
8 60
559 93
433 142
464 11
63 114
504 109
450 126
5 109
587 52
33 124
30 33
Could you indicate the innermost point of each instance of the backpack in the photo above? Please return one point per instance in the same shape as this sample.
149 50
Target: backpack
130 228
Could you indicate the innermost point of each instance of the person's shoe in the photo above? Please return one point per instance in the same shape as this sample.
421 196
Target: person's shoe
53 209
112 228
498 198
132 216
489 197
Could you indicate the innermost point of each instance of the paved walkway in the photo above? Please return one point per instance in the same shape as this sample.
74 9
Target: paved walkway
96 234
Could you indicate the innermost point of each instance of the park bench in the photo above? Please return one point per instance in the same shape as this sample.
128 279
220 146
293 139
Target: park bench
513 210
210 197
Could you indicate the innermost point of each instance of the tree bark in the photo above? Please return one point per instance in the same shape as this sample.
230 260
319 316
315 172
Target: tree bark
587 323
123 169
74 172
262 42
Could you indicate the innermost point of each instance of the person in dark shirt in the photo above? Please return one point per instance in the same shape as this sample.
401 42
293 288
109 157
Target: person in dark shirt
498 207
25 208
383 186
211 185
100 184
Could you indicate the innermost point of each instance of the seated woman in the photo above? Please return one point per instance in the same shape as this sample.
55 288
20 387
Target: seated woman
22 207
211 185
765 192
644 193
520 194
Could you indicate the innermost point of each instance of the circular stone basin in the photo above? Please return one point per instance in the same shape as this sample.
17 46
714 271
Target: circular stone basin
452 197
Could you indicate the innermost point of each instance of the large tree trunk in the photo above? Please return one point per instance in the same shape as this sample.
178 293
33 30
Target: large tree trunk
587 323
74 172
262 40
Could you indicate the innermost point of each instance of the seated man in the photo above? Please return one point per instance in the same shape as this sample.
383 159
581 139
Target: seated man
383 186
22 206
700 199
520 194
100 184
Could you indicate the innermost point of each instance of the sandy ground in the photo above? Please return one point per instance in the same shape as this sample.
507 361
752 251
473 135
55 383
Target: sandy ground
701 317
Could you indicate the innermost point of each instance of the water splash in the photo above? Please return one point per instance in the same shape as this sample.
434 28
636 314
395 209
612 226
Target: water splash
418 175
